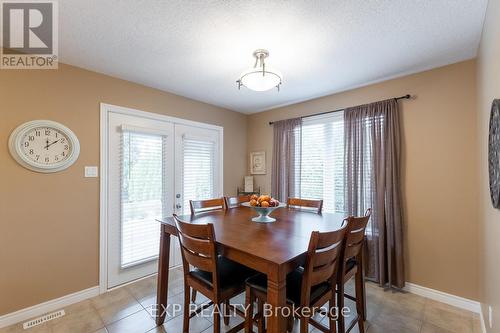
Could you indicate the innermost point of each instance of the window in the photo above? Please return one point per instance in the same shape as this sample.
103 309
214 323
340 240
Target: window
198 171
142 196
322 161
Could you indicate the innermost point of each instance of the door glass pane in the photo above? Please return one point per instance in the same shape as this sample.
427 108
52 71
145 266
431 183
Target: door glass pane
142 196
198 171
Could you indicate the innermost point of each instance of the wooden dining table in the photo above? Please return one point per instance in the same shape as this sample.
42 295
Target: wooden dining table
274 249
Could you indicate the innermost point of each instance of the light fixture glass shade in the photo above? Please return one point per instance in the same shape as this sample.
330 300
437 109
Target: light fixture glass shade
259 80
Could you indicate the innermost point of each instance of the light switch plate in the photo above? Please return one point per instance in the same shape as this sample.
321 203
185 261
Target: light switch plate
91 172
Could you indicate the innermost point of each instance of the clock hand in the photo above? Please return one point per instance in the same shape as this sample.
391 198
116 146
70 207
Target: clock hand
47 144
51 144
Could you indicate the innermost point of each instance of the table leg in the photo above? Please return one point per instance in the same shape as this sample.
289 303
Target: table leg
276 298
163 269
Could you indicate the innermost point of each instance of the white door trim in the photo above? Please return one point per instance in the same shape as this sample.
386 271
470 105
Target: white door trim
103 188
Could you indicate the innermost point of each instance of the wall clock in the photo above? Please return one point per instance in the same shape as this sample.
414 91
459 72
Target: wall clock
44 146
494 153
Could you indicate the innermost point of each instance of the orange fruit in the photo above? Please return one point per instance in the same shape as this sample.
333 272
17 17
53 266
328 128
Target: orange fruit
264 204
253 202
254 197
264 198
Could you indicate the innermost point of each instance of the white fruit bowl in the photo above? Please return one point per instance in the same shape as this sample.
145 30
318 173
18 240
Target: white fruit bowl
263 212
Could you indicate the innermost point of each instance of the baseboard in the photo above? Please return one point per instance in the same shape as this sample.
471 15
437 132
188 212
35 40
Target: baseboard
443 297
43 308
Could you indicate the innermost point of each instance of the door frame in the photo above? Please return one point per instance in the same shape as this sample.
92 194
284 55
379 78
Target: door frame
105 110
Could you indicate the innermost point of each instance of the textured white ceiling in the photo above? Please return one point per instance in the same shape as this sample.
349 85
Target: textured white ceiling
198 48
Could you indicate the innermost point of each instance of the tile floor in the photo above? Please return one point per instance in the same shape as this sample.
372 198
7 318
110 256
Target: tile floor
128 310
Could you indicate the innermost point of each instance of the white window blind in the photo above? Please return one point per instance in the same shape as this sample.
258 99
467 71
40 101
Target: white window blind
322 161
198 171
142 195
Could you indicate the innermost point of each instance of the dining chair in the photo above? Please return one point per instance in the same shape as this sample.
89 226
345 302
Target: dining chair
352 266
234 202
306 204
215 276
310 286
200 206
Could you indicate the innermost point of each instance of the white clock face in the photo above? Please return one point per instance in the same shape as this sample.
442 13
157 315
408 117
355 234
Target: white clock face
45 145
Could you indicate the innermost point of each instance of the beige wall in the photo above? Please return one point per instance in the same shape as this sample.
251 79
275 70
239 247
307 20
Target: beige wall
439 169
488 84
49 223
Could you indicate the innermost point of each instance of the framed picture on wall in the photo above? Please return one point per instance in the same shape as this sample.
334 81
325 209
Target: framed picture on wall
258 163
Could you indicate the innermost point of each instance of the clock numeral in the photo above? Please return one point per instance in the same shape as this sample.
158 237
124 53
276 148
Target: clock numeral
37 157
56 134
26 144
63 140
47 159
31 138
66 147
31 152
47 132
37 133
63 154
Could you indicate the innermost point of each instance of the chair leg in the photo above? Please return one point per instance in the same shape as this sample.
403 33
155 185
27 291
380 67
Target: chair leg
289 324
217 319
340 305
261 324
226 312
249 310
193 297
304 324
362 291
185 325
359 302
333 306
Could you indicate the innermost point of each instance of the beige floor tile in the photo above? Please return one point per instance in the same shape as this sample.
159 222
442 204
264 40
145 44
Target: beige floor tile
138 322
128 309
448 317
143 288
196 325
80 318
429 328
18 328
410 304
387 329
115 305
102 330
174 308
476 323
392 319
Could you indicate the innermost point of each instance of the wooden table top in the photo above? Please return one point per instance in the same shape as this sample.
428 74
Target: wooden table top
277 242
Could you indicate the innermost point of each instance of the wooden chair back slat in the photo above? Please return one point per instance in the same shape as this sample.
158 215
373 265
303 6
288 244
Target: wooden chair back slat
313 205
198 206
233 202
355 237
322 261
198 247
198 261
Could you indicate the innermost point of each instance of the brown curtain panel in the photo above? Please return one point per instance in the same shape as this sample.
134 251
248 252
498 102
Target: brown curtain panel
285 175
372 180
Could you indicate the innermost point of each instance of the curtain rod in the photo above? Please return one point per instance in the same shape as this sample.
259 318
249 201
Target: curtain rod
407 96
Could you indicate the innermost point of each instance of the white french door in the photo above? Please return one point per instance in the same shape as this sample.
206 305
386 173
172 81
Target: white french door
155 165
197 164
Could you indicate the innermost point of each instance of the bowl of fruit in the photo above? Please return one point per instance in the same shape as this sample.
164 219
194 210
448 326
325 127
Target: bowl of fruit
263 205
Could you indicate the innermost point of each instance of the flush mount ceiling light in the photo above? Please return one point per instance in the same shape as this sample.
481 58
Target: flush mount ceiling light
260 77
